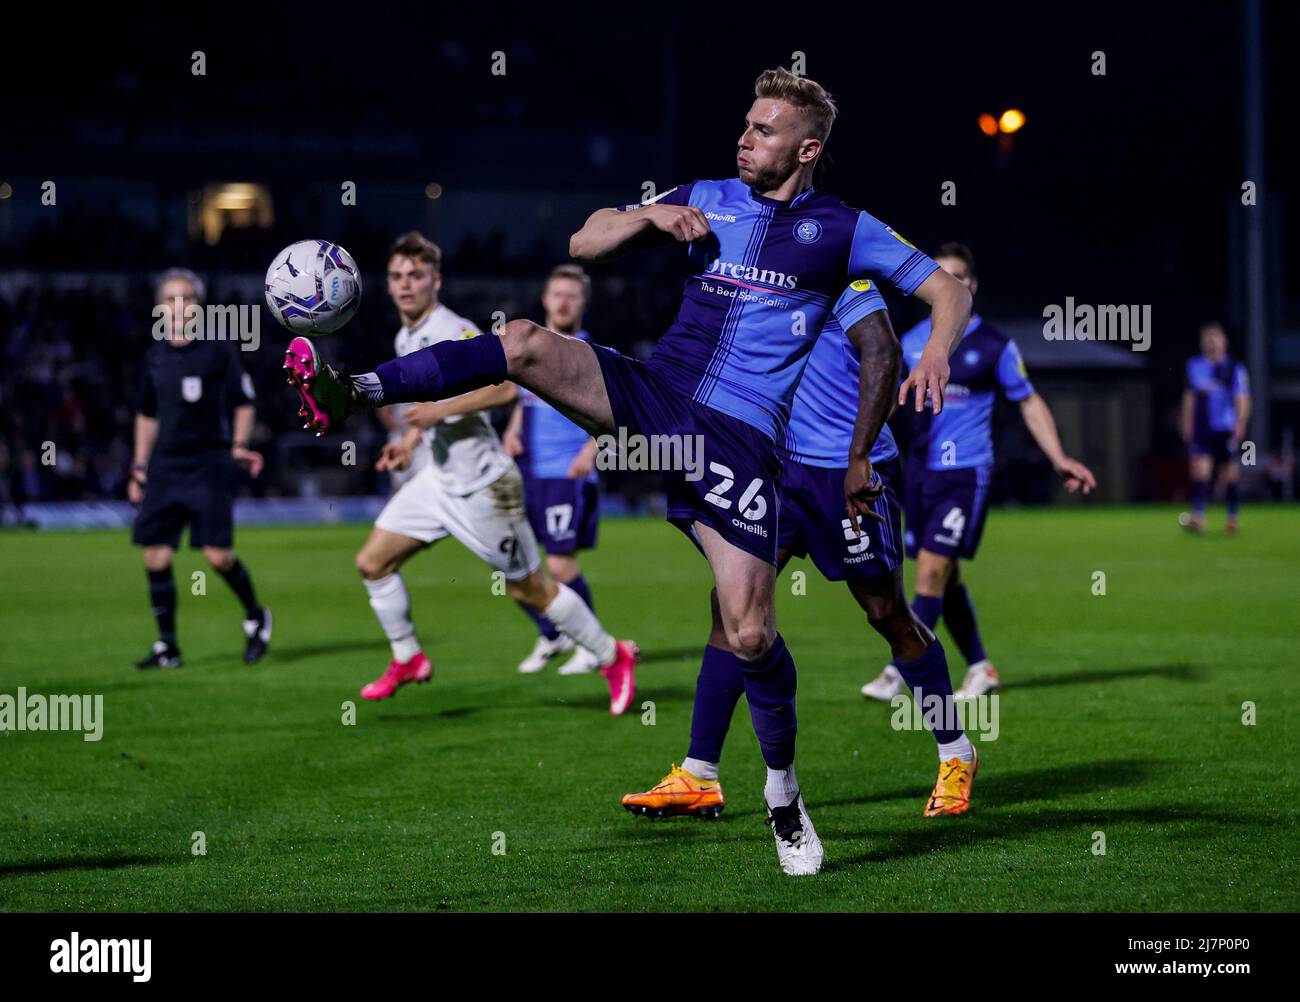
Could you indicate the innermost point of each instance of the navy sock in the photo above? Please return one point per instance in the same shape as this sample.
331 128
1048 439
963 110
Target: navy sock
928 609
544 626
928 679
162 596
1200 496
1232 495
717 691
242 585
442 370
959 615
579 584
770 691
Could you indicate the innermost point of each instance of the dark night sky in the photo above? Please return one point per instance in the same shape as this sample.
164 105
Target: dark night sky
1118 190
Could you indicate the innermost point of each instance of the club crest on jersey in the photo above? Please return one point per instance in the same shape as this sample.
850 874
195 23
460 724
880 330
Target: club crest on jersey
971 357
806 231
191 389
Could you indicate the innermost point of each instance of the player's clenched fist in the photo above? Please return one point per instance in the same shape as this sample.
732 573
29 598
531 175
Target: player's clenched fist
683 222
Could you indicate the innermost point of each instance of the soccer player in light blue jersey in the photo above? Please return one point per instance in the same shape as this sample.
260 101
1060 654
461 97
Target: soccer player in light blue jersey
772 259
867 556
950 464
1216 407
558 461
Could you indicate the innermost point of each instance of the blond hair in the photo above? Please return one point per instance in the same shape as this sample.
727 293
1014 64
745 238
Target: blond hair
808 96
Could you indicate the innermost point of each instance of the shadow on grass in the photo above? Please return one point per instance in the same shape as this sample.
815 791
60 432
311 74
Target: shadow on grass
1182 673
995 789
302 652
965 831
81 863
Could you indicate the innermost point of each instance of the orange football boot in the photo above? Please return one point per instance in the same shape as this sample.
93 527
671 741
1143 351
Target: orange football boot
952 792
678 793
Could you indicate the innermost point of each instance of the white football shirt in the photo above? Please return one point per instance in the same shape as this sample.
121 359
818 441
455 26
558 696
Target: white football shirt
466 452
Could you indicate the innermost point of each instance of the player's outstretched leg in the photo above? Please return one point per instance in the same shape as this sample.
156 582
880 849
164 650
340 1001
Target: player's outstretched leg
162 599
257 618
562 606
562 370
378 562
694 788
924 668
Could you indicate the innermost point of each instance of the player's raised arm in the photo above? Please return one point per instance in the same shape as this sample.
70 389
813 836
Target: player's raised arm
608 233
950 304
882 358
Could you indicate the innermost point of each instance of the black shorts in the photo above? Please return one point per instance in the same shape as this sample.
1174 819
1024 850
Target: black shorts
200 495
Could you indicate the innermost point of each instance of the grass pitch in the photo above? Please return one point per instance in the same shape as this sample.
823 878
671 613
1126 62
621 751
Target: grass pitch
1122 714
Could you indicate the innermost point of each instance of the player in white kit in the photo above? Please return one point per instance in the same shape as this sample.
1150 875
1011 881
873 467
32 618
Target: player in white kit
469 488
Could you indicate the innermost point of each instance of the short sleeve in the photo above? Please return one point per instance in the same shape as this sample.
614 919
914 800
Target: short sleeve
1240 381
881 253
1012 375
147 402
239 384
861 299
680 195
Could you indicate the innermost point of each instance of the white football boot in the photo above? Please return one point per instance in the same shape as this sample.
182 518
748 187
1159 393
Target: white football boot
583 662
981 678
885 686
798 849
543 651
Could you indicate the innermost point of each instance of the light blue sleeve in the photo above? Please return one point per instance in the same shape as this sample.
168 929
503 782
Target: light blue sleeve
879 252
1012 375
860 299
1240 381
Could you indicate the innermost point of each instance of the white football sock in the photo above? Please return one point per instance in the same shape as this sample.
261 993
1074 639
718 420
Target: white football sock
392 605
570 615
701 769
782 787
961 749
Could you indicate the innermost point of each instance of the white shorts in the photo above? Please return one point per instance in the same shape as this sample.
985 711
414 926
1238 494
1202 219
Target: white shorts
490 521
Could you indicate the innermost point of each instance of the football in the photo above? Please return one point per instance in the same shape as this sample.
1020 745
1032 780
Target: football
313 286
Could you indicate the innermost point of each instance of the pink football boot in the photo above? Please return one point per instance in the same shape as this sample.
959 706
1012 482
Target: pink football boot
397 674
621 675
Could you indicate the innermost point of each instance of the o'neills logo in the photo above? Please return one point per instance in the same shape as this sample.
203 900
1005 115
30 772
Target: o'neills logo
748 273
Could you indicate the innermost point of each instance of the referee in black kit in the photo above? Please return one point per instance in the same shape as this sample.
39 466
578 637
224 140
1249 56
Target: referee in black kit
183 472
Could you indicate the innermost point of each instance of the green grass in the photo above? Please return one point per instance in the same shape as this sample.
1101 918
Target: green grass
1122 714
